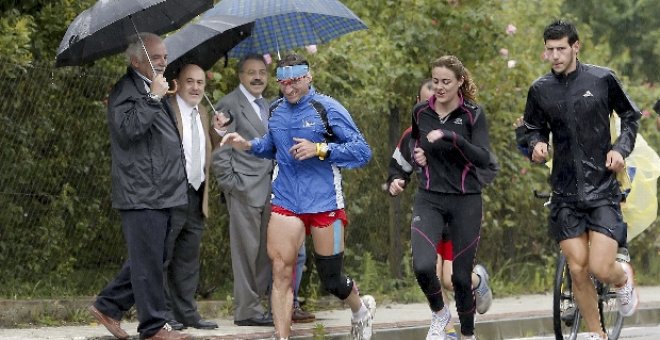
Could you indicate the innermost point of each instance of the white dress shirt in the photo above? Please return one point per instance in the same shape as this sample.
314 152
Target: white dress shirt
185 111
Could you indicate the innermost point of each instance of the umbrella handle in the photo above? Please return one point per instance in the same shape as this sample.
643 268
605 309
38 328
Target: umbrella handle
175 88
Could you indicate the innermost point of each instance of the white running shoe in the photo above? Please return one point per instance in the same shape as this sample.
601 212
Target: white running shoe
483 294
594 336
363 329
439 322
451 333
626 297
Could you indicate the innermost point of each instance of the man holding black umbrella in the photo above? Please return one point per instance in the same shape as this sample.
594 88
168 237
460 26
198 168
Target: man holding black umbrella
148 179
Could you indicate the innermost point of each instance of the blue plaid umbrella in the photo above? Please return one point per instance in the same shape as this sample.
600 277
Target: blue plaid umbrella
287 24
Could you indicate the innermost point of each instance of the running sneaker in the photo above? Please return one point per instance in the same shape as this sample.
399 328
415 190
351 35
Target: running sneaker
451 332
594 336
483 294
469 337
626 296
363 329
439 321
622 255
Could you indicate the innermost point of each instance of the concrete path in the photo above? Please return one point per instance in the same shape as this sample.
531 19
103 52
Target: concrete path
511 317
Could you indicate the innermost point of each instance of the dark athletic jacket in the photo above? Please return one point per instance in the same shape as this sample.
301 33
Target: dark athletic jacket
576 108
453 161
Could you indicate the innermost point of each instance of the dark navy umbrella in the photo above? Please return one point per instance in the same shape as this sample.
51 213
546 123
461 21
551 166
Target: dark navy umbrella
203 43
281 25
103 29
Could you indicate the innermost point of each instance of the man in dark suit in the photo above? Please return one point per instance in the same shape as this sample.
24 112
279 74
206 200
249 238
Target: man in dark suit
148 179
245 182
185 237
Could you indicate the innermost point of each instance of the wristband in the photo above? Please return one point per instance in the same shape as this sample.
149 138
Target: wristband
322 150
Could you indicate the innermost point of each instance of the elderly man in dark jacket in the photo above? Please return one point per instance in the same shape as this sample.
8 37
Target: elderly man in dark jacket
148 178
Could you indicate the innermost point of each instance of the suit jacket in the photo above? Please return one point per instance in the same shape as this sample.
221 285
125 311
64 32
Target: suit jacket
207 126
148 170
239 173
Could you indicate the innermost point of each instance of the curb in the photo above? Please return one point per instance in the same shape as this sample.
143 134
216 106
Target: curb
512 326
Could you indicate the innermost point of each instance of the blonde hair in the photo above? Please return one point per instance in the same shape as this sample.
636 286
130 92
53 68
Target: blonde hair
468 90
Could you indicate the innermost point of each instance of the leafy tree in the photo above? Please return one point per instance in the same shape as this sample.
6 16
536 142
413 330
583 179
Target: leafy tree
631 28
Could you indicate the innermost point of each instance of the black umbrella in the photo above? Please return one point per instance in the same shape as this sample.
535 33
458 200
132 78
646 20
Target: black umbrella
103 29
205 42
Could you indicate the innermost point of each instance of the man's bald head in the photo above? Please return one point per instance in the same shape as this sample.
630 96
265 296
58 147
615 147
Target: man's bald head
191 83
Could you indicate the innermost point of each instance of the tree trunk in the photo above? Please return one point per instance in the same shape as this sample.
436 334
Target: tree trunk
395 215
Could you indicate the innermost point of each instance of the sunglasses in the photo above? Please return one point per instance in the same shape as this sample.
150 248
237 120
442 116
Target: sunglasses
291 81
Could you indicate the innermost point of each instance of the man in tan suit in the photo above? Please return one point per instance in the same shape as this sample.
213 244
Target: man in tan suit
245 182
187 224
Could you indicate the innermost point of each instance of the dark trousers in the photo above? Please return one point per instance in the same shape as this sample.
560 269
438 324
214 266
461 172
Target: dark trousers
140 280
182 264
432 213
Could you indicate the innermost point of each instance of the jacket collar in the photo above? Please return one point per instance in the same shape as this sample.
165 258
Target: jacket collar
306 98
140 81
570 76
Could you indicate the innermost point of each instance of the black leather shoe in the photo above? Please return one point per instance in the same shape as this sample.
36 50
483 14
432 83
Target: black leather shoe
176 325
258 321
203 324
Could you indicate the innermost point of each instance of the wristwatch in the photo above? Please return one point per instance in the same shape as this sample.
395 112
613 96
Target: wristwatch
323 150
154 97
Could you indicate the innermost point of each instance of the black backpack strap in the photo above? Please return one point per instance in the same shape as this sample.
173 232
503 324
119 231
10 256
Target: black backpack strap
274 105
320 109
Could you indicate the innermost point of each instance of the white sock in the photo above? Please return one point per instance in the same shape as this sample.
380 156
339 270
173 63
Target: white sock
361 313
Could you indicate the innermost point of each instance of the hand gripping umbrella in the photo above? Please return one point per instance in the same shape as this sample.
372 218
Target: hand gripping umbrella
103 29
288 24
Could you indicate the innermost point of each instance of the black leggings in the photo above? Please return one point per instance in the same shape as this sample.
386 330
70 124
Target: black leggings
462 214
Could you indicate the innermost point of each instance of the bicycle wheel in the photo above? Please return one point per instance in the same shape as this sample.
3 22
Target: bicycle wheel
565 313
610 319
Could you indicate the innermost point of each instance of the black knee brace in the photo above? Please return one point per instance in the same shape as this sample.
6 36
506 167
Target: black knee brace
330 272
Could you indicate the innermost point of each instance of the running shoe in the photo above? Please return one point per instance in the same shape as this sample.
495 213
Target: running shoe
622 255
594 336
626 296
439 322
363 329
451 333
483 294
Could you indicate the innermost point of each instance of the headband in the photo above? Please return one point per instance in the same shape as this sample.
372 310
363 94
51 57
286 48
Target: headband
291 72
